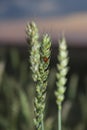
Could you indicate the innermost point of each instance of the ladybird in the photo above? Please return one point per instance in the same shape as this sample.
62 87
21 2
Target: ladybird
45 59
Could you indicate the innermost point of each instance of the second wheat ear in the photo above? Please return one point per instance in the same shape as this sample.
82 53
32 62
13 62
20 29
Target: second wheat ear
62 67
39 59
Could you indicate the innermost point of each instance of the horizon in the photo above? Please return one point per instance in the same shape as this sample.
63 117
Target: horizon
73 26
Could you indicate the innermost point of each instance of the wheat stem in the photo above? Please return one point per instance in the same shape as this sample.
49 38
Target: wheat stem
59 117
61 77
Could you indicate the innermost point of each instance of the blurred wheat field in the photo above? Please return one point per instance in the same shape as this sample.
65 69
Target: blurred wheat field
17 91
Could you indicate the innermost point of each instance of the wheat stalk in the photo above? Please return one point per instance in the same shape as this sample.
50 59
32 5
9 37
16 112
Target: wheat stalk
62 67
39 59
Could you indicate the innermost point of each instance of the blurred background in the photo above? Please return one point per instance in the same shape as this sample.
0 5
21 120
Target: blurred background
54 17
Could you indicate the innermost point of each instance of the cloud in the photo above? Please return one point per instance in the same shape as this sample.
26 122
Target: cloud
49 6
3 8
27 7
42 8
22 4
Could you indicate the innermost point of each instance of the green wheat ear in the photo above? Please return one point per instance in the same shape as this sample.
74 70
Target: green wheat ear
33 36
39 59
62 67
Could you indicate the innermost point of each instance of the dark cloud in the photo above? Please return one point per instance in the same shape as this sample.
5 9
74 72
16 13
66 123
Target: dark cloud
42 8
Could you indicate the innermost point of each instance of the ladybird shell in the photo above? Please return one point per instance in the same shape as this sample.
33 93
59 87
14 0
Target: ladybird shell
45 59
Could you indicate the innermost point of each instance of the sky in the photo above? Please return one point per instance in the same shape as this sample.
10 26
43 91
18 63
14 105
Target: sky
16 9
